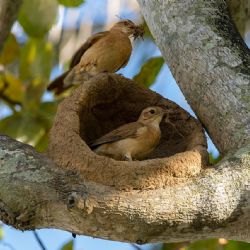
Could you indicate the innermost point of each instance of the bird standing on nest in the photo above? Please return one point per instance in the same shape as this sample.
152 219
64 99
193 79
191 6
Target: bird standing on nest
106 51
133 140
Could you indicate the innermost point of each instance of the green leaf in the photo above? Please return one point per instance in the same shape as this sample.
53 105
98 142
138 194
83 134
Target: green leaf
237 245
10 51
43 143
36 59
23 127
11 87
174 246
71 3
149 71
68 246
46 112
34 69
211 244
10 125
37 16
31 127
1 233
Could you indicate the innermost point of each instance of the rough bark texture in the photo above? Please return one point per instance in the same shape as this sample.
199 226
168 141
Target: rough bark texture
210 62
8 14
214 204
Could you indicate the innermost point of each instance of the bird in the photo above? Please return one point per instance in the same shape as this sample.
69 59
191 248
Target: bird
132 141
106 51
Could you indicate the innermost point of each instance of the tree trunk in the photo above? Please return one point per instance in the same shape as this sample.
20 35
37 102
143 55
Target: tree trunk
211 64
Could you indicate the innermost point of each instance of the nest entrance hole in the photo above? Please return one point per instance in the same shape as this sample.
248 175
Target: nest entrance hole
114 107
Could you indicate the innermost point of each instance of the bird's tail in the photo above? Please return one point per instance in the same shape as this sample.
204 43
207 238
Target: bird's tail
67 80
76 77
57 85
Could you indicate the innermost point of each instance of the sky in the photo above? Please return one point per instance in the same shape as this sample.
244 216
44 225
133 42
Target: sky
165 85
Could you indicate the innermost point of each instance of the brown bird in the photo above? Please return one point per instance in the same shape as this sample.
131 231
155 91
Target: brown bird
133 140
106 51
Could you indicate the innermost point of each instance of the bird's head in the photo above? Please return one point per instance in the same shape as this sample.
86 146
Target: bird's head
128 27
152 114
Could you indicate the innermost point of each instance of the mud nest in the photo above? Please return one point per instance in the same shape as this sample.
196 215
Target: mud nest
107 101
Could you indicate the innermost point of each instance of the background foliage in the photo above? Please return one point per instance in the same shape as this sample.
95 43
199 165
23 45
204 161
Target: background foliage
27 109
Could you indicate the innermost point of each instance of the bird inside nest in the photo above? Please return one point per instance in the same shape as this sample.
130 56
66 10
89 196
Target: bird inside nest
106 51
132 141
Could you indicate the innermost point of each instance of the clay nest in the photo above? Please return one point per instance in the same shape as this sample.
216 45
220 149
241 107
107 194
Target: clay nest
107 101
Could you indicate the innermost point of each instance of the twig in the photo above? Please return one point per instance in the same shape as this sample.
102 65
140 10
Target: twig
39 240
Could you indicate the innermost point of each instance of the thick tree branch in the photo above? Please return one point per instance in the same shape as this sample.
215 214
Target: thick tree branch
8 14
215 204
210 62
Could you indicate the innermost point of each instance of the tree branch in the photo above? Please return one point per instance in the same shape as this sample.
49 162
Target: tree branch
210 62
39 241
8 14
215 204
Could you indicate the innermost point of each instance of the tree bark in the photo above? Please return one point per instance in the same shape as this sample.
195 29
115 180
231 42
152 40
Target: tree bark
215 204
211 64
8 14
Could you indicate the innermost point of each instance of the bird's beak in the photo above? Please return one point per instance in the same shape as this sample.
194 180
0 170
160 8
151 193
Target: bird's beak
138 32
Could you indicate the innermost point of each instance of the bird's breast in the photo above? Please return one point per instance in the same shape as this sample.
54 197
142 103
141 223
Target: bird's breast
148 141
107 55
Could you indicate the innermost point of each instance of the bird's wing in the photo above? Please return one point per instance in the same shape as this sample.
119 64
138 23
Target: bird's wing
92 40
58 83
129 130
123 65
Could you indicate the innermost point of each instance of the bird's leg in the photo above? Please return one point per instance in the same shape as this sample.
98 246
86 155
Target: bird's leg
127 157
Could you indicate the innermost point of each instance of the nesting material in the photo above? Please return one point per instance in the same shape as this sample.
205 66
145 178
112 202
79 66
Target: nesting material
108 101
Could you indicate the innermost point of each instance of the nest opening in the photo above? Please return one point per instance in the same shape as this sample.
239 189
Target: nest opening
108 101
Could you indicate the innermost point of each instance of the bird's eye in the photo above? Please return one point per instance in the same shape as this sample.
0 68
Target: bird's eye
152 111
